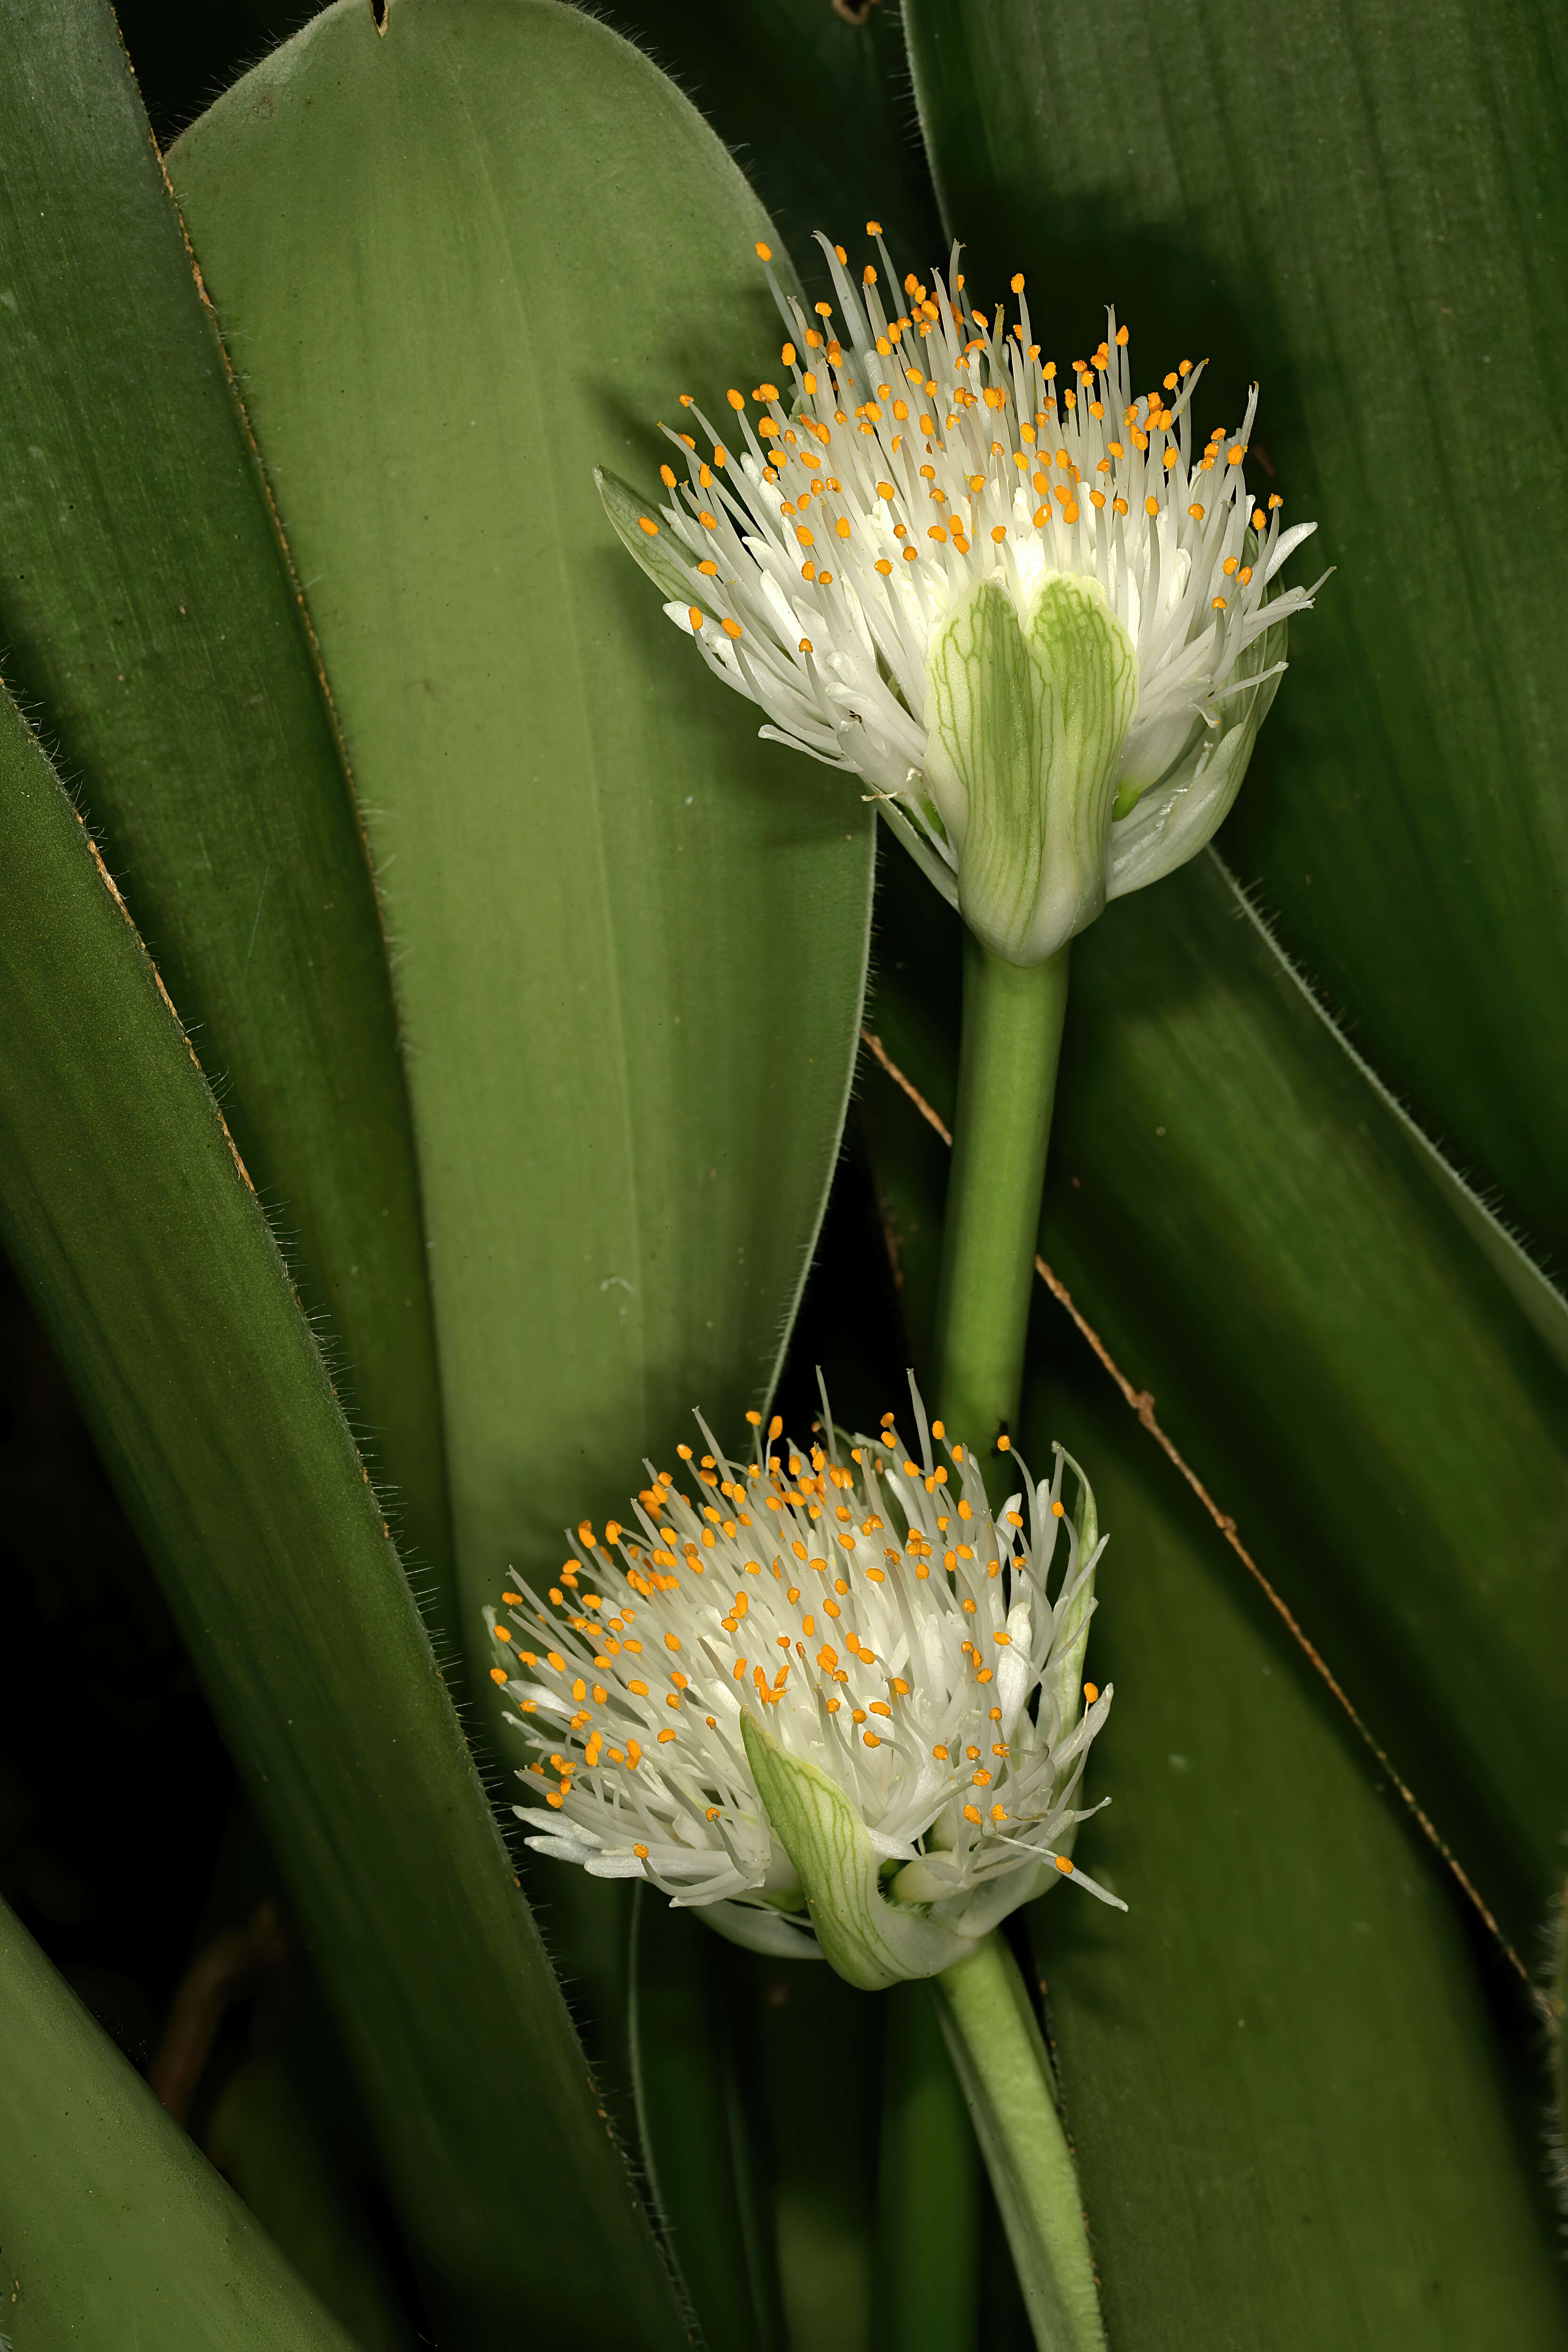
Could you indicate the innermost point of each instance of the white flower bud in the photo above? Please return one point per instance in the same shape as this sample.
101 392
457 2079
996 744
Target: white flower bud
1026 716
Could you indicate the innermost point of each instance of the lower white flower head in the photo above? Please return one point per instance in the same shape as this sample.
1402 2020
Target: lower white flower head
1035 616
828 1699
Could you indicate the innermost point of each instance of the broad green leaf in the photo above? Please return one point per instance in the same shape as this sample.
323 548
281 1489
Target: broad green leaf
1362 209
1278 2070
815 106
1256 1235
629 941
129 1217
1280 2083
151 627
113 2229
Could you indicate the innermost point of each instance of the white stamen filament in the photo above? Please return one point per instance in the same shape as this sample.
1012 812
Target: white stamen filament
879 1621
922 452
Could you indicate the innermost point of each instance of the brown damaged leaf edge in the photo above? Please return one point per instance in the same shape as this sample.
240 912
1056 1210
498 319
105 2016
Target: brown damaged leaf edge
1143 1403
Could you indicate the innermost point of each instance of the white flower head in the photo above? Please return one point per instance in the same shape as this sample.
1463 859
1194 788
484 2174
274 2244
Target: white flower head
1033 614
826 1696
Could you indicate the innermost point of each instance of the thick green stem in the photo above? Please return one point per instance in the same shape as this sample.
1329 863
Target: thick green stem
1013 1017
1011 1037
1001 2062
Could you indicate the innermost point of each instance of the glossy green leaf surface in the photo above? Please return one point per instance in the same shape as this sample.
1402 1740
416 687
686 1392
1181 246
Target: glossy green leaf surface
1278 2070
1361 209
1260 1241
125 1209
115 2230
1285 2097
628 939
152 630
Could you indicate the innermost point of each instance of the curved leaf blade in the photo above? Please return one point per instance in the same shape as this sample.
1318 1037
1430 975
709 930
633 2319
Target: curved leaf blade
629 940
114 2227
1348 2164
1361 210
1278 2075
1256 1231
150 624
129 1217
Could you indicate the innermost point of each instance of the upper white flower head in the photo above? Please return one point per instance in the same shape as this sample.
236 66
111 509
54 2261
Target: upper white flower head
818 1686
1034 616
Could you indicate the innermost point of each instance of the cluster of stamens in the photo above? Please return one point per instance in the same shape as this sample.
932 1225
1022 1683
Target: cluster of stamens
870 1612
909 455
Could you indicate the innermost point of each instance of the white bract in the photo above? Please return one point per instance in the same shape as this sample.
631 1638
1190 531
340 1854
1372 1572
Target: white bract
823 1693
1035 616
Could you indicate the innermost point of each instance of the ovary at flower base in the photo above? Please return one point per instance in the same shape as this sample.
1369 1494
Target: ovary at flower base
1036 616
827 1697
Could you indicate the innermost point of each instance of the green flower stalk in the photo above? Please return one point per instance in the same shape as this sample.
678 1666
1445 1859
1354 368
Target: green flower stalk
832 1701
